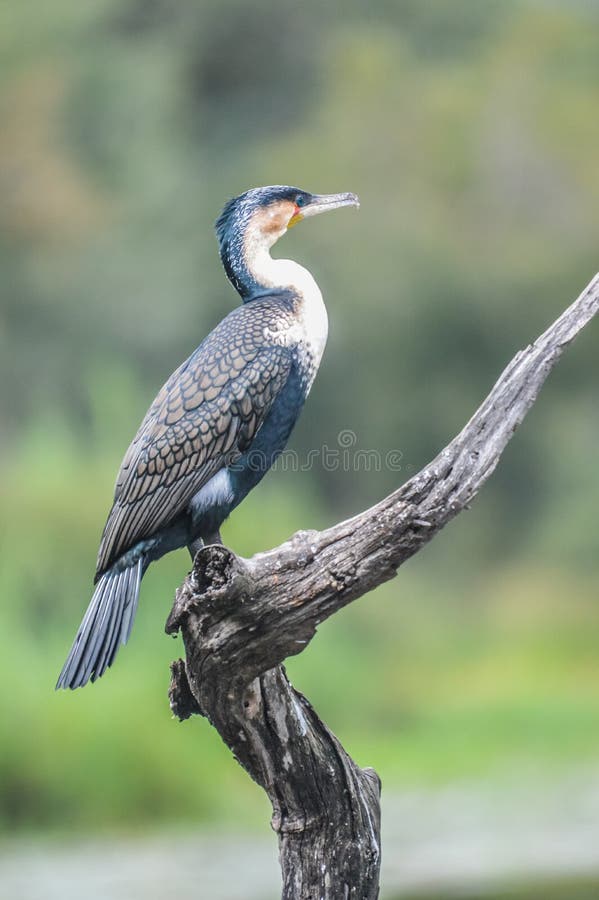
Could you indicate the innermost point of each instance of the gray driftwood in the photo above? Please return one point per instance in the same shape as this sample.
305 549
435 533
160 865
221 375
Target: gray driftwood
241 618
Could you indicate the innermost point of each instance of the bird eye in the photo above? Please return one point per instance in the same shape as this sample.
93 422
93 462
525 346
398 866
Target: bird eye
300 200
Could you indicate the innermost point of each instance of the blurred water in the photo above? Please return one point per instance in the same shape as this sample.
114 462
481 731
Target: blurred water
213 868
520 839
474 840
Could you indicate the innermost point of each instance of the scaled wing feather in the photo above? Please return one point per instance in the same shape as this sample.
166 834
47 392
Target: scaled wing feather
207 413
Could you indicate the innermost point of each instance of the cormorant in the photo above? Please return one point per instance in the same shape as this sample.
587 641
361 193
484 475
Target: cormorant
219 422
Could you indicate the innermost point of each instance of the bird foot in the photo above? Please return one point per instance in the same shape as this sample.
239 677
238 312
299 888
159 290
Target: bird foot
212 570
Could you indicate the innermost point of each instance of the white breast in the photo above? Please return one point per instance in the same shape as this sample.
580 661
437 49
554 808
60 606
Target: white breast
312 322
311 327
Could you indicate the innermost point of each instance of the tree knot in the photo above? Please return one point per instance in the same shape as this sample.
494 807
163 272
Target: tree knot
182 702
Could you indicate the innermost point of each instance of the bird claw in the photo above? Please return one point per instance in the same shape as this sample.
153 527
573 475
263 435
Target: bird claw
212 570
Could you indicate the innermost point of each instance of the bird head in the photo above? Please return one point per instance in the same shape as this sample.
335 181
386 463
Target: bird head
254 221
270 211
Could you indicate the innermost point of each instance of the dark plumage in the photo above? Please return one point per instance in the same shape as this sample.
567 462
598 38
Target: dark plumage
218 423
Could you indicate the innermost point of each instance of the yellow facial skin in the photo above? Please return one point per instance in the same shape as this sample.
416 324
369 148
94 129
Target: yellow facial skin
284 214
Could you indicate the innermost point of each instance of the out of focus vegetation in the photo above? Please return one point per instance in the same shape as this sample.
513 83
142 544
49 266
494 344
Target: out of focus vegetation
470 132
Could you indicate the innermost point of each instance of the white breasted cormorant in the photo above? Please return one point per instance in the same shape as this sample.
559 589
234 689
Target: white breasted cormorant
218 423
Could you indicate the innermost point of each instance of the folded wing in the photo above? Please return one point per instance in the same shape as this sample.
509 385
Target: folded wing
204 417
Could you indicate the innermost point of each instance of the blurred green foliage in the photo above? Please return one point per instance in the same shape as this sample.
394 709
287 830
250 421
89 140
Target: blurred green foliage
469 130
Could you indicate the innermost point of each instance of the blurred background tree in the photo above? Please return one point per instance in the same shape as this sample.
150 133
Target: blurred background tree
470 132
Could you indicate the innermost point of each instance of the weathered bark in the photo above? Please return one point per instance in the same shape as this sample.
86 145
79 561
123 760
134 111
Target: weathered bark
240 620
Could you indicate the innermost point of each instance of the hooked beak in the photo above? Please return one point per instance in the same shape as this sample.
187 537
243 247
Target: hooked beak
320 203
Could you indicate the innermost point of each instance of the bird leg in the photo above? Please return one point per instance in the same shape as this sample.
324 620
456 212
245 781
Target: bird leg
194 547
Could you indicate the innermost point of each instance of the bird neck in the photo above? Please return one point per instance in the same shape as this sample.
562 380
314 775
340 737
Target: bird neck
251 269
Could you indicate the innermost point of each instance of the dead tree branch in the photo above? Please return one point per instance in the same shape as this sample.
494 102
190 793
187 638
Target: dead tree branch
240 620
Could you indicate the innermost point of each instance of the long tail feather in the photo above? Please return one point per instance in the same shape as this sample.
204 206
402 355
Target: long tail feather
106 624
